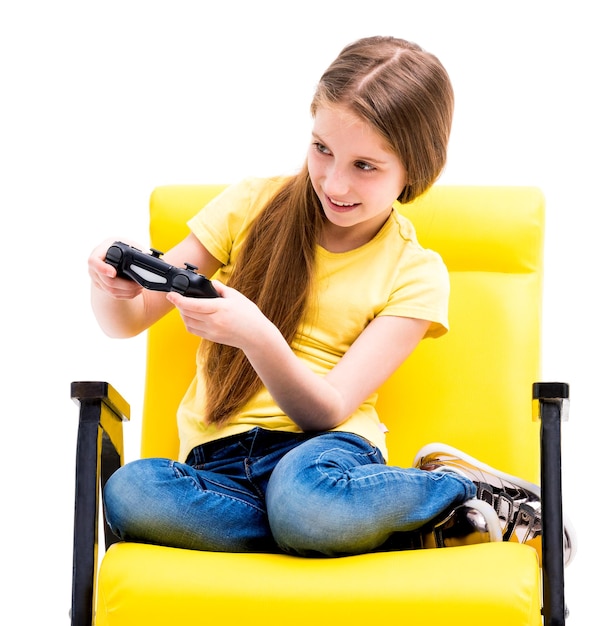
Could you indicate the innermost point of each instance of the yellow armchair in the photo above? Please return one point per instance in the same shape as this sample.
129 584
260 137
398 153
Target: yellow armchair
472 389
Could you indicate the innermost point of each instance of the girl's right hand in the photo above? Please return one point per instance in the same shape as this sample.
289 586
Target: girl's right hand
104 276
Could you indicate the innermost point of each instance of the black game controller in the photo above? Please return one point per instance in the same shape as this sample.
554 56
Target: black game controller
155 274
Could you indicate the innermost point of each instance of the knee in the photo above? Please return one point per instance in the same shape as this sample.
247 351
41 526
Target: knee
125 493
300 527
306 518
116 496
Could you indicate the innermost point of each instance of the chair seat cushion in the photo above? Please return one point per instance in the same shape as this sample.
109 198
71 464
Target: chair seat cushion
479 585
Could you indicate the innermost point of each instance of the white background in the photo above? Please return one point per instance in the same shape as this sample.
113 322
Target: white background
102 101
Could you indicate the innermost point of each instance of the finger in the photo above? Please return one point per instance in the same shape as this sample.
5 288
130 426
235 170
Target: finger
121 289
98 267
220 287
176 299
196 305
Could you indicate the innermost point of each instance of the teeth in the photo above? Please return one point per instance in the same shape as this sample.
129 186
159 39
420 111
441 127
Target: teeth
342 203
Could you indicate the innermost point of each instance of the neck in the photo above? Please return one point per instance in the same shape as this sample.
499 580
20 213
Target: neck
346 238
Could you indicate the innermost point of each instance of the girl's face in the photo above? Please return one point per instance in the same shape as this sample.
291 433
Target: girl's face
354 173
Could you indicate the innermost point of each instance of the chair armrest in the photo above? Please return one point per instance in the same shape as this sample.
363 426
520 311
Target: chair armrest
99 453
551 402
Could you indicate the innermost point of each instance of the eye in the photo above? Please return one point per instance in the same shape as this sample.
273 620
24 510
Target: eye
319 147
366 167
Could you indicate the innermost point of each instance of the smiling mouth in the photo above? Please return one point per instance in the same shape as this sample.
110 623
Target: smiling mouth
341 205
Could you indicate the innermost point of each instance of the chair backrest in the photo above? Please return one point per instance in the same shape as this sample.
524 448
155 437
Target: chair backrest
472 387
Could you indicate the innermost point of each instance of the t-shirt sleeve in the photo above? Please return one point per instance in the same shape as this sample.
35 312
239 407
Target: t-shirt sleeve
220 223
422 290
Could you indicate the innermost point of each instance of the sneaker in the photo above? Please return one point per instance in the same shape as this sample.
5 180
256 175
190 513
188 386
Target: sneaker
515 501
472 522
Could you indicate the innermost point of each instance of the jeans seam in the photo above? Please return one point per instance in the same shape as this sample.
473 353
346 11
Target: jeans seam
221 485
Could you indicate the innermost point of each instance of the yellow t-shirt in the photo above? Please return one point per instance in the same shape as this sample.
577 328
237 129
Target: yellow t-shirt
390 275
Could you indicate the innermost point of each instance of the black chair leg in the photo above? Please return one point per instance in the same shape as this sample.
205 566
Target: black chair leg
553 400
99 454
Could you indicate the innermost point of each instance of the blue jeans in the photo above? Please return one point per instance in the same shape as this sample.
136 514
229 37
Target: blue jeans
263 491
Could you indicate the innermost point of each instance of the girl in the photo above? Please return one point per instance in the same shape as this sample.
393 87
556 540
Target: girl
324 292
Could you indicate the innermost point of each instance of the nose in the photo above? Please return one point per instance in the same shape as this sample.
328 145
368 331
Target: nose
336 182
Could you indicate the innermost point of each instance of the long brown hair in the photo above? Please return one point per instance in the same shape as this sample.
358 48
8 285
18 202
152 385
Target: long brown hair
405 93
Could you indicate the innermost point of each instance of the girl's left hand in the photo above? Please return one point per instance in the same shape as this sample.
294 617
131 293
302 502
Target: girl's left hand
231 319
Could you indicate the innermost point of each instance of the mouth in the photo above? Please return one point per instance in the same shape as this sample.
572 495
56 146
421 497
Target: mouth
340 207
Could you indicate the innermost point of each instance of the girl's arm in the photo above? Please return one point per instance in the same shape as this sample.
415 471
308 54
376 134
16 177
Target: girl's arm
311 401
122 307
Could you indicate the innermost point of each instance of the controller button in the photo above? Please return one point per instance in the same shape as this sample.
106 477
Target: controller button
156 253
180 283
190 267
114 254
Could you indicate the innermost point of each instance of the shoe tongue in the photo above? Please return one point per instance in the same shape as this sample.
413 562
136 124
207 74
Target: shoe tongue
432 467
